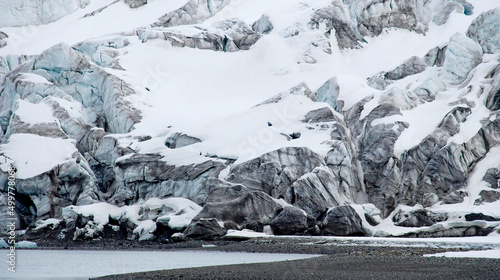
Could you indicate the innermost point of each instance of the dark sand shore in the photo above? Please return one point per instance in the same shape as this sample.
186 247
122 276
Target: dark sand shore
339 261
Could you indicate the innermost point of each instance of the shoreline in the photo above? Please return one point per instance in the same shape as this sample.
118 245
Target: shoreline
338 260
447 244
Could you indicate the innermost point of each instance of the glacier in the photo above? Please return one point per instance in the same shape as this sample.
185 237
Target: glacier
195 119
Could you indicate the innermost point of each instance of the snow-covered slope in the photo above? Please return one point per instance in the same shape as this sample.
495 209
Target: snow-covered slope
319 117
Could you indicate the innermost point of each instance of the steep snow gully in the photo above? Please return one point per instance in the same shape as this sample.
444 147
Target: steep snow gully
166 120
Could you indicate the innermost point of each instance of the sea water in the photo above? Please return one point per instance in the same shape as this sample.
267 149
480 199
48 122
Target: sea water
83 264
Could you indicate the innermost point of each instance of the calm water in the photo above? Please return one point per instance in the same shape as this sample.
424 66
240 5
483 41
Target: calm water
79 264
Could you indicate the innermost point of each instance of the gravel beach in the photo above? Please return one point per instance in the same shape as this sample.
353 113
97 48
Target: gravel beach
339 261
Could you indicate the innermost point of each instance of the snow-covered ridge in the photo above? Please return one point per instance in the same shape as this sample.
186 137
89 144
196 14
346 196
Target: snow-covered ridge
320 117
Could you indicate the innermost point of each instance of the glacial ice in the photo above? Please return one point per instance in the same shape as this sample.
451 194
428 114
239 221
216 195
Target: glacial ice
462 55
213 146
484 30
22 13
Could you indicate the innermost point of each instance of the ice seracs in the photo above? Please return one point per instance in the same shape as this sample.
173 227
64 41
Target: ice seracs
292 117
22 13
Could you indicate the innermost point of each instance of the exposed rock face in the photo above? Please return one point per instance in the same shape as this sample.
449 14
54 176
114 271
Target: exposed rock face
343 221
